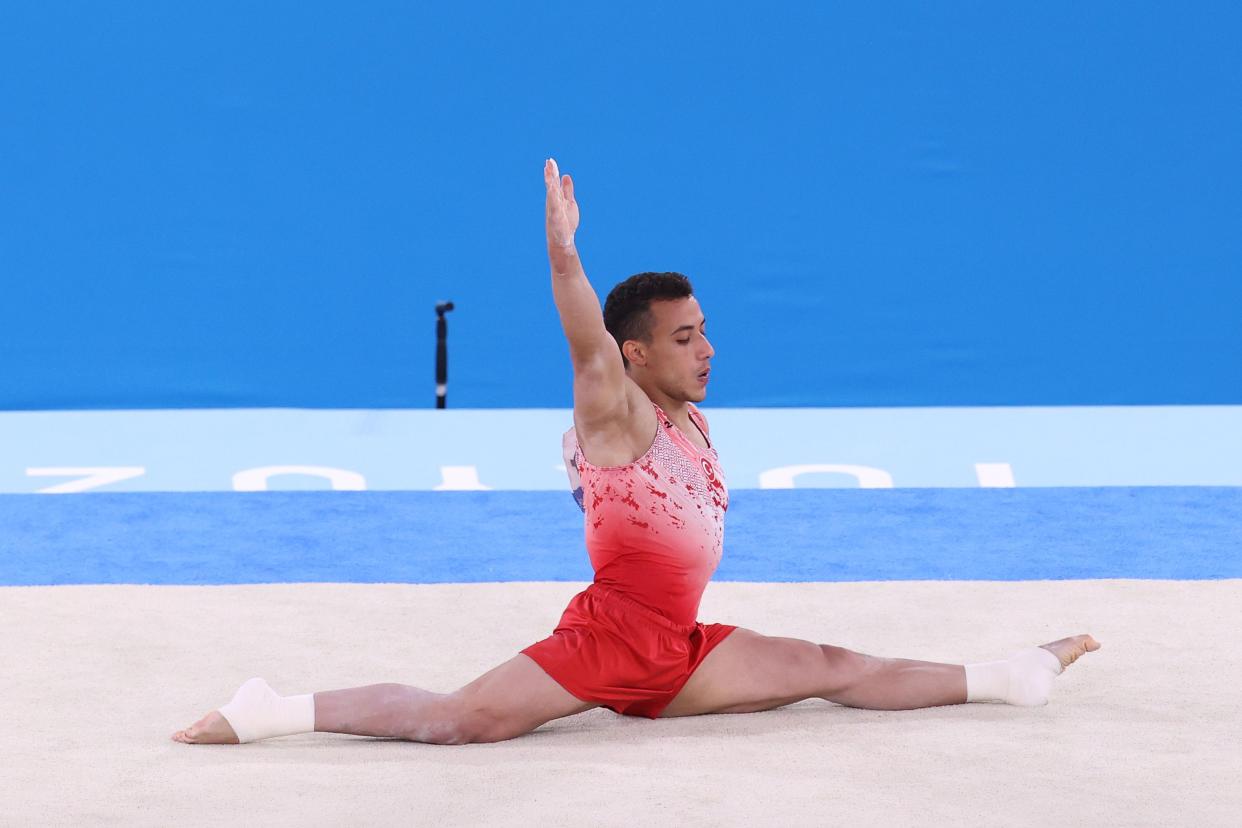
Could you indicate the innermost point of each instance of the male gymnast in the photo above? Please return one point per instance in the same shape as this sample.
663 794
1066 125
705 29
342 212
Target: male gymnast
654 519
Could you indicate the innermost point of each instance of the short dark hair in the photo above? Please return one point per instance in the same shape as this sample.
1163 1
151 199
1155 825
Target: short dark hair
627 310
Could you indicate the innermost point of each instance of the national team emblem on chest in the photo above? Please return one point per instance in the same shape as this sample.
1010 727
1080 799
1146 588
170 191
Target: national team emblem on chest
709 471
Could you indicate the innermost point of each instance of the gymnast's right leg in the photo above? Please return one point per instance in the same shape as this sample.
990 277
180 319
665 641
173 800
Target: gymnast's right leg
512 699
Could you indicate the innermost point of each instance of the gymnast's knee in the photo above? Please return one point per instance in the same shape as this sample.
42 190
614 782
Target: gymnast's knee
845 669
438 722
453 721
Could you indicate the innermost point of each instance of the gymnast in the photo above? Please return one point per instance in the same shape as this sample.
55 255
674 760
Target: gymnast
654 498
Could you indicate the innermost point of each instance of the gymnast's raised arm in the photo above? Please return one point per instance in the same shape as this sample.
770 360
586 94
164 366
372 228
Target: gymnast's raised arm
600 393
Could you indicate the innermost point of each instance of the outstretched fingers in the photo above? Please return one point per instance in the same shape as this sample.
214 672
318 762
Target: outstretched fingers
551 175
562 212
558 184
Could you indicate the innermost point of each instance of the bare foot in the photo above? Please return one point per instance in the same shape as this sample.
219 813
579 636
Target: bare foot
212 729
1069 649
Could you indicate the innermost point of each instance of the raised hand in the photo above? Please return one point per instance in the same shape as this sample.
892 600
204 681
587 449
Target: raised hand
562 209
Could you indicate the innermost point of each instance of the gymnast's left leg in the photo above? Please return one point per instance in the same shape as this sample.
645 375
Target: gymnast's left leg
748 672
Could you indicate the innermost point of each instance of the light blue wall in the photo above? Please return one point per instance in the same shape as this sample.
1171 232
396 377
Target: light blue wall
892 204
64 452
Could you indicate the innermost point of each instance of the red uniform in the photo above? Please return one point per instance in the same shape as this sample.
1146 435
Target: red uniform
654 531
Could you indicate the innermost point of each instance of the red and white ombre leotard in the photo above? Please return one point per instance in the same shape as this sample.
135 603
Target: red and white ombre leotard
655 527
654 532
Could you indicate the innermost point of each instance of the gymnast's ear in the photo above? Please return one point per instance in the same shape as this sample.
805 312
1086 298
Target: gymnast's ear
634 351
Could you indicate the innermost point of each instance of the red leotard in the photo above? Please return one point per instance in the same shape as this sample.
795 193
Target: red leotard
654 532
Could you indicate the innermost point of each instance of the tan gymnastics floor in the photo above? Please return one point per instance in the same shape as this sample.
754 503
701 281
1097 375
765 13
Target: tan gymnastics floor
1144 732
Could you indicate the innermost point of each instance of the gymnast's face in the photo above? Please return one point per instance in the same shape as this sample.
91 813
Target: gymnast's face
678 357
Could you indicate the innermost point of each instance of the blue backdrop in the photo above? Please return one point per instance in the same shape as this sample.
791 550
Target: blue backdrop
1157 532
236 204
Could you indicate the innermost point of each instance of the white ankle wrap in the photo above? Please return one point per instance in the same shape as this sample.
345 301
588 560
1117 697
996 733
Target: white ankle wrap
1024 679
256 712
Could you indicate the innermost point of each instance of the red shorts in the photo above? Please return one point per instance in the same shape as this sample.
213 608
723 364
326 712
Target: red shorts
613 651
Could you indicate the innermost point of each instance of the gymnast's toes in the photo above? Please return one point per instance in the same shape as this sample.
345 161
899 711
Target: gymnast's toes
212 729
1069 649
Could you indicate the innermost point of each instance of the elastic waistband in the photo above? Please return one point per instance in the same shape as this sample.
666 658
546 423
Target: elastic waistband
633 607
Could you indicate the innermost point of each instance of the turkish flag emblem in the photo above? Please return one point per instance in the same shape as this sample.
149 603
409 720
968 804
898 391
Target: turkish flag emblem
709 471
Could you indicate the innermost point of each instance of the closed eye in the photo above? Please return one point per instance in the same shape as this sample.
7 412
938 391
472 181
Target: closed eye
702 332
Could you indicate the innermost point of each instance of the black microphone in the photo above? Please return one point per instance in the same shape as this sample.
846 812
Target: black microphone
442 353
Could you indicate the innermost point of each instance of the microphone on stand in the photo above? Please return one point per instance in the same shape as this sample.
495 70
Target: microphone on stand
442 353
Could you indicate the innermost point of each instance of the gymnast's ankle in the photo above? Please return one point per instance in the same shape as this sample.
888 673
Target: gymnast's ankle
257 712
1023 679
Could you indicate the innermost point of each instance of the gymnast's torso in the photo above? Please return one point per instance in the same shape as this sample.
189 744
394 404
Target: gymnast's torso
655 526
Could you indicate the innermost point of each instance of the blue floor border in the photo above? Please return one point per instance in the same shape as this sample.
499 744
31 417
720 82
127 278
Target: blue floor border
771 536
